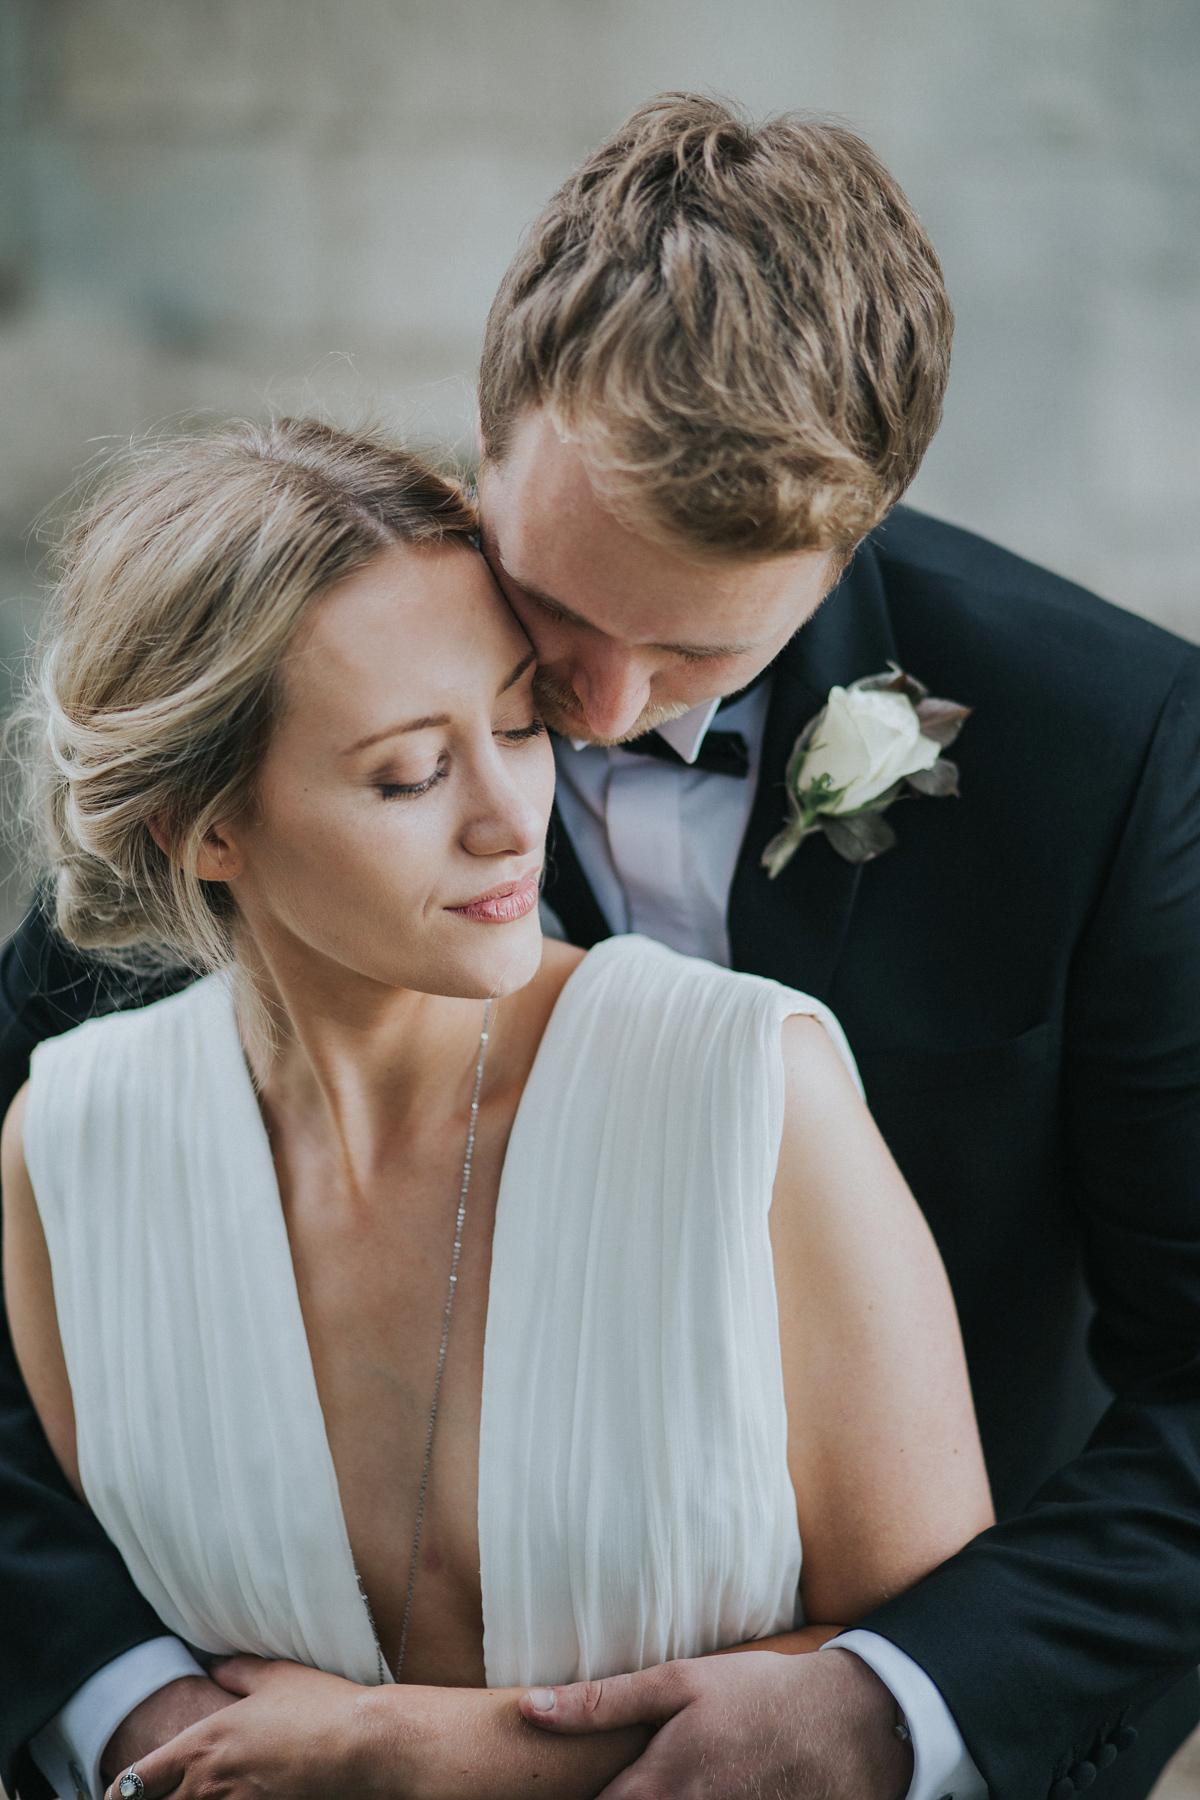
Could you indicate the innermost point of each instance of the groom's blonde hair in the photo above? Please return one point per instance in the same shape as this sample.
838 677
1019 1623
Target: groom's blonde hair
744 328
181 584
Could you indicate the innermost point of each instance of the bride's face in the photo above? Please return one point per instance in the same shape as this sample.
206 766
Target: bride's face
404 798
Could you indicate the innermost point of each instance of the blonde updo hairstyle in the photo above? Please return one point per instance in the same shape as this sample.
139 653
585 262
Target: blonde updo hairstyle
179 588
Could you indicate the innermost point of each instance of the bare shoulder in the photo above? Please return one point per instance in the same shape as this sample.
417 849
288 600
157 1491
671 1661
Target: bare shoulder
830 1144
814 1070
13 1173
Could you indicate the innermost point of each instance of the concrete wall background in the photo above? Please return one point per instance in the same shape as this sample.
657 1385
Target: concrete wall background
213 206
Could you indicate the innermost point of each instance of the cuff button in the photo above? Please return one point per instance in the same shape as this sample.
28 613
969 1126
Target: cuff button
1085 1774
1125 1737
1106 1756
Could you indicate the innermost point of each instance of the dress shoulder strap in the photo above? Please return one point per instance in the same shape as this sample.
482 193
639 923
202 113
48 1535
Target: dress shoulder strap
634 1497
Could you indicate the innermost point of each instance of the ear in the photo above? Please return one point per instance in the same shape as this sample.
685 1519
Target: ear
219 859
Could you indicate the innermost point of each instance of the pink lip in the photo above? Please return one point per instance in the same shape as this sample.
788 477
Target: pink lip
502 904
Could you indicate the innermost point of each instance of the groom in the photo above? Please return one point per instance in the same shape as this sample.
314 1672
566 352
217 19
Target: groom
709 375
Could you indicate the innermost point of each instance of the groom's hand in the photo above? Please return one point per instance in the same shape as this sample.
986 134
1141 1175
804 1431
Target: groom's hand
160 1718
810 1727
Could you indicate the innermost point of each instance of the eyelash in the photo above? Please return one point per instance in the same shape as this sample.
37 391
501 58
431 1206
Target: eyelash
412 790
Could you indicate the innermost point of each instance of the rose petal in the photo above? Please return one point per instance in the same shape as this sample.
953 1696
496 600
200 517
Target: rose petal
870 739
800 749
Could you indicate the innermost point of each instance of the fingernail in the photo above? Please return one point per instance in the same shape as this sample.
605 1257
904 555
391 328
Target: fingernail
541 1699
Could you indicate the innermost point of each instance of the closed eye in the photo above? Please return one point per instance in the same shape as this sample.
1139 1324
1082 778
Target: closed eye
702 656
550 609
522 733
409 790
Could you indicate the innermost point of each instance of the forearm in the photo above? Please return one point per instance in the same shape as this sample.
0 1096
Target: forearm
460 1743
788 1643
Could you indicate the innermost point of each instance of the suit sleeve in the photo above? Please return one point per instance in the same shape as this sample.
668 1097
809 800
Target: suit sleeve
67 1604
1051 1632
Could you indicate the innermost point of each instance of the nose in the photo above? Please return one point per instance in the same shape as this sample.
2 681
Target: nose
511 805
612 686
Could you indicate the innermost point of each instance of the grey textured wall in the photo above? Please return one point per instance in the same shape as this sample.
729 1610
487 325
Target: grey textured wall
216 204
213 206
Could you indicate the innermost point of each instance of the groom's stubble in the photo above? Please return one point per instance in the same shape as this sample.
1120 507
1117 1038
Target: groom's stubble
558 707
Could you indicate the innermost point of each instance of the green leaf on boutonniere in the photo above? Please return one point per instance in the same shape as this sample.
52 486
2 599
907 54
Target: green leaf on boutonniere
942 720
939 782
858 836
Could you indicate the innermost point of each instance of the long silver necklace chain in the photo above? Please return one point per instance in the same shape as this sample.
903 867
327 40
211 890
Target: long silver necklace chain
441 1361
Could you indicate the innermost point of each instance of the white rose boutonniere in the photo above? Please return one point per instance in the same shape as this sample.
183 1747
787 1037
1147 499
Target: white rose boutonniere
878 740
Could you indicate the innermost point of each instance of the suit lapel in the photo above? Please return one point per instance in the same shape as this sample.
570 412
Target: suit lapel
566 889
793 928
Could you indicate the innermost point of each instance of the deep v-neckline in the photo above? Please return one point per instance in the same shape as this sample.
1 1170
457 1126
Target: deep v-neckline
264 1180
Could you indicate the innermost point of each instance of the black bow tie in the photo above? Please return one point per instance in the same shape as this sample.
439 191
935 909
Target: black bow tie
721 752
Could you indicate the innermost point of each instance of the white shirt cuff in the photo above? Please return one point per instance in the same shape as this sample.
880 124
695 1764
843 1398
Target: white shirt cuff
942 1765
69 1748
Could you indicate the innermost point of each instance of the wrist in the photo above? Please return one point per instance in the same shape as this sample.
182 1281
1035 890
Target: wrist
882 1740
373 1754
392 1738
159 1718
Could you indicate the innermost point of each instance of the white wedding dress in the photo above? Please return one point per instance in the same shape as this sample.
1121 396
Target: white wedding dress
634 1499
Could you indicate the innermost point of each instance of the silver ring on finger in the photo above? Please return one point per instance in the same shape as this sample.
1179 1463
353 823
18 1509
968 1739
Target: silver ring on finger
131 1786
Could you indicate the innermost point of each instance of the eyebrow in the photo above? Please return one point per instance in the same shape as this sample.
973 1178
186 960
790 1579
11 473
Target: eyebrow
540 598
432 719
525 663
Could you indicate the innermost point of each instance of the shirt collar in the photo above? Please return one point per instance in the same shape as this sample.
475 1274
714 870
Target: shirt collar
686 733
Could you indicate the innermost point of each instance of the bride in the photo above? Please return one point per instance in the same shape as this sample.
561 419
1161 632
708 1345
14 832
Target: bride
414 1299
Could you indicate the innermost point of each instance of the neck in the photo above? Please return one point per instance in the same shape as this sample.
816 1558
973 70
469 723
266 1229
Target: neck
363 1063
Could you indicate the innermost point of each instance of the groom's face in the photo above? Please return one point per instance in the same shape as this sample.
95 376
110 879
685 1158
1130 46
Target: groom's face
628 633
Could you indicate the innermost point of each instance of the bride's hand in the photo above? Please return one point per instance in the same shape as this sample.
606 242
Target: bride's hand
294 1732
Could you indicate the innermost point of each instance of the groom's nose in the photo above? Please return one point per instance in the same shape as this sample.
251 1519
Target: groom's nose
612 685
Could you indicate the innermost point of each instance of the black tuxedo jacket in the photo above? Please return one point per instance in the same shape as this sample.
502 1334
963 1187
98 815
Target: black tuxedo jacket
1020 980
